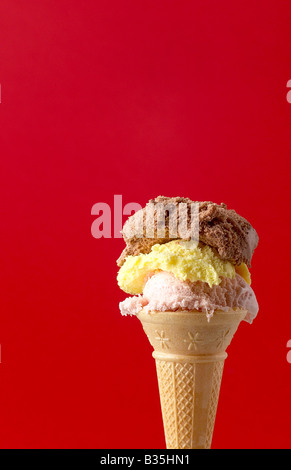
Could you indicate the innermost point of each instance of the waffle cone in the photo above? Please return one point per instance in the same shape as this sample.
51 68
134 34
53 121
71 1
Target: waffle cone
189 352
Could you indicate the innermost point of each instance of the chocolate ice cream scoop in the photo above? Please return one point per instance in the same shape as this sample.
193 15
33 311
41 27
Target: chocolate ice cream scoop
223 229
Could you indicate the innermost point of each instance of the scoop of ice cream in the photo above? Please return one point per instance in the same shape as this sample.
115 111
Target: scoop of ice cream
164 292
230 234
132 305
185 260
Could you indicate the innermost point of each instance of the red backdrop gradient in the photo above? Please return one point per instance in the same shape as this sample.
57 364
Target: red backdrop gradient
138 99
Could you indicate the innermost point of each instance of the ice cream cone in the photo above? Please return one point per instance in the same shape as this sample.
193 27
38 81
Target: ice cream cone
189 352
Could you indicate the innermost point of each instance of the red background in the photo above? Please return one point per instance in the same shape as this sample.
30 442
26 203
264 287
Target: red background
139 99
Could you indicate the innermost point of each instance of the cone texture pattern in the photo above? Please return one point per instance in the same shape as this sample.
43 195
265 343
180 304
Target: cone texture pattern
180 406
189 353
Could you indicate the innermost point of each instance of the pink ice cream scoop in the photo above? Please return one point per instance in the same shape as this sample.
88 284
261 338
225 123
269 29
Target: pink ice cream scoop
164 292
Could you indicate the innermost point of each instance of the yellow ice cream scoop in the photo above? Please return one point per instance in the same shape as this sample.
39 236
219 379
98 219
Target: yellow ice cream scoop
244 272
184 259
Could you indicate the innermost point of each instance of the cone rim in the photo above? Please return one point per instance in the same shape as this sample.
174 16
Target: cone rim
189 313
